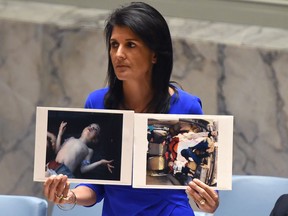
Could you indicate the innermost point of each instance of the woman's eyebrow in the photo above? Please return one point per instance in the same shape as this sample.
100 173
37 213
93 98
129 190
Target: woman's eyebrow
127 39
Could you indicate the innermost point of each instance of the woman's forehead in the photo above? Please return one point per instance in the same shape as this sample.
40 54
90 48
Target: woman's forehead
123 31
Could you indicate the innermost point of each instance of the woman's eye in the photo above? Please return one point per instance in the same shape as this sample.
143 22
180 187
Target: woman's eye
114 44
131 45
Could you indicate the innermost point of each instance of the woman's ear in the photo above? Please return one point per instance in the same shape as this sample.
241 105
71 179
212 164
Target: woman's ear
154 58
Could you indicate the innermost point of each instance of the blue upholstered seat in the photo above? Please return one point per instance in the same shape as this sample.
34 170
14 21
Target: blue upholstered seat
95 210
251 195
12 205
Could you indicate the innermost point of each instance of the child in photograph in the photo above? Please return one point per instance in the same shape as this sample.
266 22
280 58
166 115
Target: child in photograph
74 152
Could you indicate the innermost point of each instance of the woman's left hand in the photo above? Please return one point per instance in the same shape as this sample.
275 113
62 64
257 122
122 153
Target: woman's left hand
205 197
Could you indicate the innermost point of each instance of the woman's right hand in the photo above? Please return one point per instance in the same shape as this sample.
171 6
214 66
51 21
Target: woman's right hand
56 189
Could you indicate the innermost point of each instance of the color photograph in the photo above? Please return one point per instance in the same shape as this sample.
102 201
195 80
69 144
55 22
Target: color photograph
171 150
86 145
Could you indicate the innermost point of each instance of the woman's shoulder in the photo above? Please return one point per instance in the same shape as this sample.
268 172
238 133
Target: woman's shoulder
186 103
98 92
186 97
95 99
186 94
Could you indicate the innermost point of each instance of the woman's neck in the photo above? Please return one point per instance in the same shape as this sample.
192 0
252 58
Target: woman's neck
136 97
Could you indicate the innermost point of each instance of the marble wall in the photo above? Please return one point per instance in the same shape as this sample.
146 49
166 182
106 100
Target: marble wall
55 55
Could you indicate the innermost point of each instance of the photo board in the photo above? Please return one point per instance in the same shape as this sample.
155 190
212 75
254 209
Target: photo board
163 151
88 145
171 150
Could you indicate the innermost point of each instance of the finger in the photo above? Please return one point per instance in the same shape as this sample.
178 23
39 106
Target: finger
110 168
208 193
200 192
192 191
66 189
199 201
61 187
203 195
53 194
47 185
50 188
65 193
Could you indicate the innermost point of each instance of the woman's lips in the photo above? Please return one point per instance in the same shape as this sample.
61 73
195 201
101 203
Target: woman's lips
121 67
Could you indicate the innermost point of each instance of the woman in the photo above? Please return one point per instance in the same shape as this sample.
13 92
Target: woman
139 69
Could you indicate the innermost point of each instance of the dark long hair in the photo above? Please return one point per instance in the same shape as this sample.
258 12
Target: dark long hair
148 24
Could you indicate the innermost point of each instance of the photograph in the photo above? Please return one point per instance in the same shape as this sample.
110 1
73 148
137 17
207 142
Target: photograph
84 144
172 150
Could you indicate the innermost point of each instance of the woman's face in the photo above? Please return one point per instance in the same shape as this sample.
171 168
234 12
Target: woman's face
131 58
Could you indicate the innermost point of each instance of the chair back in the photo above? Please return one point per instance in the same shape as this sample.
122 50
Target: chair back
11 205
251 195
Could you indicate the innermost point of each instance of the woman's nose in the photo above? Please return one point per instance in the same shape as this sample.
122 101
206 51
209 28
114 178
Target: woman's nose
120 53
